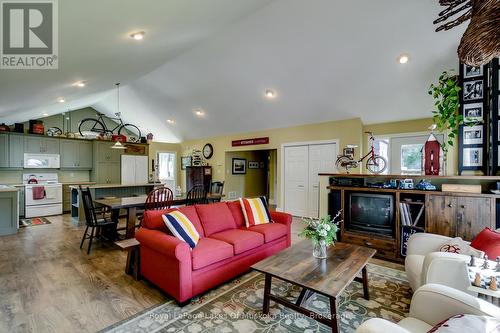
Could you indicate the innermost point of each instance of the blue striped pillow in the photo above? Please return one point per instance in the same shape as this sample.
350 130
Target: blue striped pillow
180 226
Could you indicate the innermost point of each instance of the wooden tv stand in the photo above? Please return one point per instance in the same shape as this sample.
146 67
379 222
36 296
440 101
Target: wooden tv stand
453 214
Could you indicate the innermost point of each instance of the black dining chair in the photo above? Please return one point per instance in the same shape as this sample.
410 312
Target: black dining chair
196 195
92 221
217 188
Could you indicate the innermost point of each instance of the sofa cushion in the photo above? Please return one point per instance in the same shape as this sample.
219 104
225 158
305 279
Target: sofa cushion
235 208
487 241
215 218
153 219
271 231
209 251
181 227
241 240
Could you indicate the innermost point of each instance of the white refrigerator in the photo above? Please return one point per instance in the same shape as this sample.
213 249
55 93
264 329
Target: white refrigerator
134 170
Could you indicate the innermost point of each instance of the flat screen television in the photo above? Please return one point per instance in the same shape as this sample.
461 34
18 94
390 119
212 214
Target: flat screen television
373 213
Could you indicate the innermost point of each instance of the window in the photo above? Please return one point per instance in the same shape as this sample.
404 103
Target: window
411 159
166 166
381 147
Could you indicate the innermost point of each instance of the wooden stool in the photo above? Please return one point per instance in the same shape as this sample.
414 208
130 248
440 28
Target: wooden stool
131 245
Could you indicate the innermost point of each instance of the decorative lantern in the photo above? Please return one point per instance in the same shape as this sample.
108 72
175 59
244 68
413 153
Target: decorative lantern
432 154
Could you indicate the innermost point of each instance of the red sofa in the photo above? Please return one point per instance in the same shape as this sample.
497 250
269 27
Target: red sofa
226 248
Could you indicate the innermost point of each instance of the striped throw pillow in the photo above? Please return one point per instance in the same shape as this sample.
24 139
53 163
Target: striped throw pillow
180 226
255 211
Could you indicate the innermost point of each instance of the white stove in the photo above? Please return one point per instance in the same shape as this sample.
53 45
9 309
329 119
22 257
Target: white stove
43 194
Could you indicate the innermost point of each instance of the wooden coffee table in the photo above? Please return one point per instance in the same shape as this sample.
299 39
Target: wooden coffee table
328 277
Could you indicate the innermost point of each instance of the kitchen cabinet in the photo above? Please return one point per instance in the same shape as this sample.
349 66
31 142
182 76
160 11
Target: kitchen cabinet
134 170
16 151
4 150
76 155
459 216
9 206
44 145
104 152
106 166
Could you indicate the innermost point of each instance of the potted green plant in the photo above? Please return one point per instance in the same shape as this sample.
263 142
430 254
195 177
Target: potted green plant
446 117
322 232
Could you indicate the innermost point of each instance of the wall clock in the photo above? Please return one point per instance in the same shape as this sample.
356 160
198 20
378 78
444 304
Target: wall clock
208 151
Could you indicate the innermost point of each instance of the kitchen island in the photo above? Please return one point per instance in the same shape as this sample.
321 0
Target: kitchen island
102 191
9 206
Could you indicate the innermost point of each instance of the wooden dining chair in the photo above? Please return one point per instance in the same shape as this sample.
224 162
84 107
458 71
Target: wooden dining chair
91 219
217 188
159 199
196 195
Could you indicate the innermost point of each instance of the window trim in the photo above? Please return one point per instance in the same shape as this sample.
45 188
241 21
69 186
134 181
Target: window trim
175 162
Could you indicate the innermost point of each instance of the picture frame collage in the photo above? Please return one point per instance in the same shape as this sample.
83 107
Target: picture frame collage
472 139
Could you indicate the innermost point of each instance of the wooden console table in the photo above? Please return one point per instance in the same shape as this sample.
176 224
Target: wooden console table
452 214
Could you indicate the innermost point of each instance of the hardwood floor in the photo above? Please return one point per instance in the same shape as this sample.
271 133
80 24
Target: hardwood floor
47 284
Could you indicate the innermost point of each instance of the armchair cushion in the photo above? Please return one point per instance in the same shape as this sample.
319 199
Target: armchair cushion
489 242
468 323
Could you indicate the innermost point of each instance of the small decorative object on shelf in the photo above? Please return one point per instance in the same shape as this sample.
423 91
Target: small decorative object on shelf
375 163
322 232
486 263
149 138
432 154
472 261
425 185
493 283
197 157
477 280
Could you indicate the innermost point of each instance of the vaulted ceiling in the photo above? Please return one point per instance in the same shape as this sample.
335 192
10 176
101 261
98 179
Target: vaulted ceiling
326 60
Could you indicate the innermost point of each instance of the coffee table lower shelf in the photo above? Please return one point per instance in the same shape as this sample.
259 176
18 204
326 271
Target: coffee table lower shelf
330 321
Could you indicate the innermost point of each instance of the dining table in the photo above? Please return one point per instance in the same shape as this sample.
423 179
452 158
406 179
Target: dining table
132 204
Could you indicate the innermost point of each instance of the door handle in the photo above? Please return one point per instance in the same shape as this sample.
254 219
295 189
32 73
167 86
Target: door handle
301 186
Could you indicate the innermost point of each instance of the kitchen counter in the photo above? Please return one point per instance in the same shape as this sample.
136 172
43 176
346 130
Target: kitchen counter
8 188
101 186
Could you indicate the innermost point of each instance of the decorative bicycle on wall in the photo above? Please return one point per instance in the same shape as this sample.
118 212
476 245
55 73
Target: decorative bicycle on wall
375 163
93 126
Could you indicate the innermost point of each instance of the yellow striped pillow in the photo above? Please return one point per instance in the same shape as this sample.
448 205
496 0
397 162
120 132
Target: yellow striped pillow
181 227
255 211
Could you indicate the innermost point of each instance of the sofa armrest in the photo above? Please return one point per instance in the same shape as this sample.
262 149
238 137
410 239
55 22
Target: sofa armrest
423 243
165 244
378 325
283 218
449 269
433 303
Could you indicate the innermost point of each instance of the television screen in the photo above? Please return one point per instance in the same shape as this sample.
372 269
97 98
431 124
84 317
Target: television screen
371 211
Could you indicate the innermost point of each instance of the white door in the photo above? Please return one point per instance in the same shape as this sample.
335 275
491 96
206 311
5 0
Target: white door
128 170
296 179
321 159
141 169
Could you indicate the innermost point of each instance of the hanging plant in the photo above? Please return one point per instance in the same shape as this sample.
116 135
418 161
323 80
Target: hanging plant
447 117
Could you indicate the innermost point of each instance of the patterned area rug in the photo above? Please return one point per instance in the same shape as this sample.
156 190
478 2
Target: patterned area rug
237 307
24 223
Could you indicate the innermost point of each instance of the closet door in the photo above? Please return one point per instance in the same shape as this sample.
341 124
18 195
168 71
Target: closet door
321 159
296 180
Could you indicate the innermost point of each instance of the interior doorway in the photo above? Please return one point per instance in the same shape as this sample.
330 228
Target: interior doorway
258 177
167 168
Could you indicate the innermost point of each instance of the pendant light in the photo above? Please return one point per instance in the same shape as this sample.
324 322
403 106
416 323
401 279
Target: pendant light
118 144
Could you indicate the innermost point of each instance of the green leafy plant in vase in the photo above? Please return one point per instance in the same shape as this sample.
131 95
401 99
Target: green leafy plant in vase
322 232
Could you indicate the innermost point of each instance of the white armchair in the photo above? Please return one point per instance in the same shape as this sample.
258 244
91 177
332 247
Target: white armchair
430 305
424 264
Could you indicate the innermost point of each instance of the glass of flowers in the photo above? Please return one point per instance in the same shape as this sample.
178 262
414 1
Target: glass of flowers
322 232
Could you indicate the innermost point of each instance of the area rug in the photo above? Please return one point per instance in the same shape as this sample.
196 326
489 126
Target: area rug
237 307
23 223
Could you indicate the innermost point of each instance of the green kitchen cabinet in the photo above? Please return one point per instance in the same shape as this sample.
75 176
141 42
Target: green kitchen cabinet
107 163
4 150
104 152
16 151
43 145
76 154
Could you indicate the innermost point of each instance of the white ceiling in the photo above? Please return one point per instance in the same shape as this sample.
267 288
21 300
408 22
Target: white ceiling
327 60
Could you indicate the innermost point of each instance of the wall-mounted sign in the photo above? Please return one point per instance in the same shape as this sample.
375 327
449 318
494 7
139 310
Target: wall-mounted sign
249 142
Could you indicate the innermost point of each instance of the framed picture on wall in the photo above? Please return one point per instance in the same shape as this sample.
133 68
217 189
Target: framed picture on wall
185 162
253 165
473 135
471 71
239 166
473 157
473 90
473 111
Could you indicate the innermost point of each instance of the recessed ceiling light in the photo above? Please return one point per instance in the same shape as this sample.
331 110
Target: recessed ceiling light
170 121
80 84
138 35
61 100
45 114
199 112
403 59
270 93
